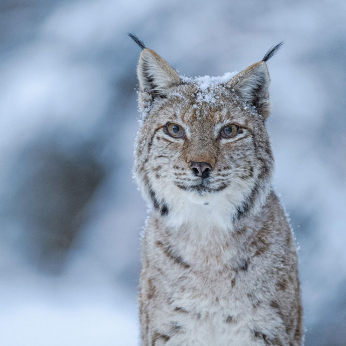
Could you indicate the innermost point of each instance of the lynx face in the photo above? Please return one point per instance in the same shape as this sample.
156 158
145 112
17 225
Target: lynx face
203 141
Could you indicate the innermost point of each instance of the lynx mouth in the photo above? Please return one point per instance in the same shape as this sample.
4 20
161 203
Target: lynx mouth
201 188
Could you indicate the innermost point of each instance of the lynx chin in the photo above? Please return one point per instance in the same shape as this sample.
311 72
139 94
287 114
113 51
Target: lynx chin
219 260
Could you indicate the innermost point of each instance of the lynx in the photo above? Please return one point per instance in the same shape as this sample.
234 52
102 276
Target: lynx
219 261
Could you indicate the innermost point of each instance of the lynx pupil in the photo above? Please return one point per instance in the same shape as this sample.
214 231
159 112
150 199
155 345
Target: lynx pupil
228 130
174 130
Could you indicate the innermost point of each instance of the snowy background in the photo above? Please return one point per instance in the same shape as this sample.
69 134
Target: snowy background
70 215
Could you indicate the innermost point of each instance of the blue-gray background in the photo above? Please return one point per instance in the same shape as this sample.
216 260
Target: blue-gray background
70 214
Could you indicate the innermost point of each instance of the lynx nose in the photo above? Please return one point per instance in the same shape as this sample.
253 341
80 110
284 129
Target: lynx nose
201 169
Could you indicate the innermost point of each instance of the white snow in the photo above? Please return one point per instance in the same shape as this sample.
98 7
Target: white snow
38 312
207 86
206 82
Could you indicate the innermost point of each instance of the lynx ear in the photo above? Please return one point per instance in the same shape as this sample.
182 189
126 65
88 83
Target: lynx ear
252 86
155 75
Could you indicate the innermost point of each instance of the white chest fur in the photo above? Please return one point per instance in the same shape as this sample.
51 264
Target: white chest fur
207 290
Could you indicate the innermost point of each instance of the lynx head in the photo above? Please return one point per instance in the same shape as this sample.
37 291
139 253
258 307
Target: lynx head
202 150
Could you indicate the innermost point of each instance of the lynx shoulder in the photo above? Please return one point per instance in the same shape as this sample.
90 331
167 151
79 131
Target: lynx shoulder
219 262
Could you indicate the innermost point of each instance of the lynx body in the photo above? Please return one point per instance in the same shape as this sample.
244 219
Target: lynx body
219 261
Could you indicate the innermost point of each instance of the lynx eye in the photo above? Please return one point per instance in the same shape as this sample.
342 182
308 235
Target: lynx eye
174 130
230 131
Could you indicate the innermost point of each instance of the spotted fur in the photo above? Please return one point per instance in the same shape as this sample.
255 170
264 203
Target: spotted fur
219 262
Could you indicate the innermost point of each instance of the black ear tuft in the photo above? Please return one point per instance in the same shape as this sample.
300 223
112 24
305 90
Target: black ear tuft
137 40
272 51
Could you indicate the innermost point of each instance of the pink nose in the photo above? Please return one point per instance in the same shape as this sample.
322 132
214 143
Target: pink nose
201 169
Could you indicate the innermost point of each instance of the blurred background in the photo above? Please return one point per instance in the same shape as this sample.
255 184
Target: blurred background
70 214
